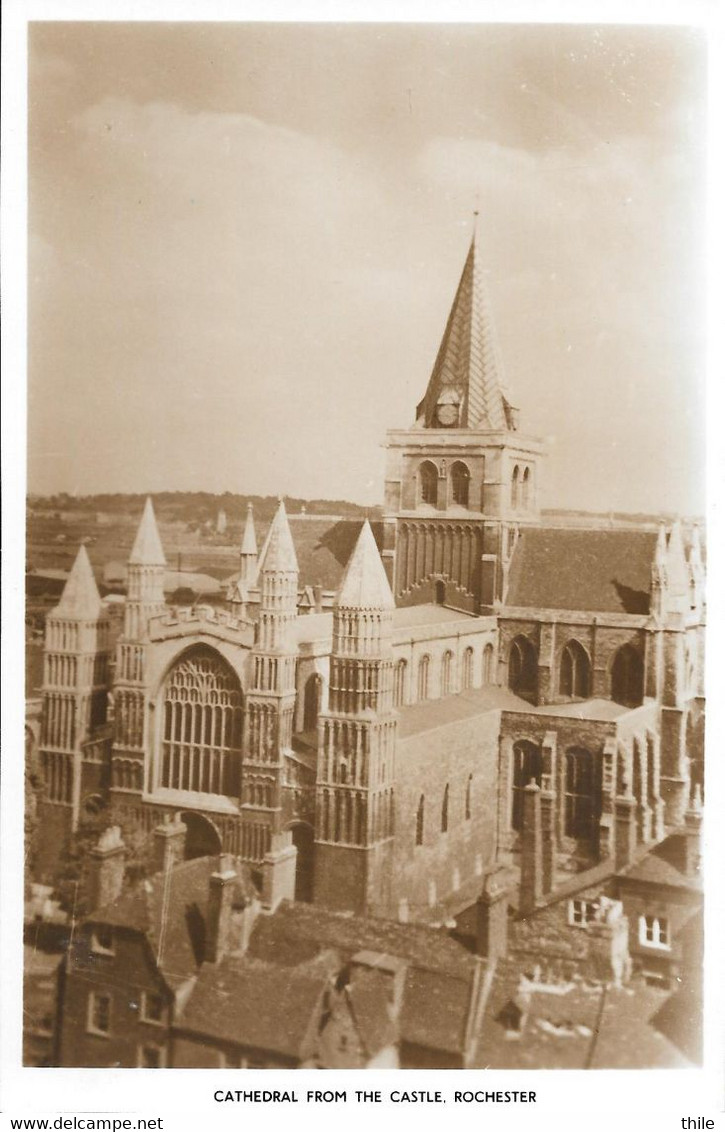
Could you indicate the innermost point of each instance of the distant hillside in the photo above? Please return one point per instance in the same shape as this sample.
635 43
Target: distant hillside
192 506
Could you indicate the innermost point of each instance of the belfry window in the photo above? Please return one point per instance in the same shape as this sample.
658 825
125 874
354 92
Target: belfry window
202 726
460 483
525 489
428 483
515 488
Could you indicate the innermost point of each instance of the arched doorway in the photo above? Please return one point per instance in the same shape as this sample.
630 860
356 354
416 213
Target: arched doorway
440 593
303 838
523 668
202 837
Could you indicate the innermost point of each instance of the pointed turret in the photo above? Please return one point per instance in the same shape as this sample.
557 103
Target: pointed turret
80 600
147 549
365 584
278 554
467 388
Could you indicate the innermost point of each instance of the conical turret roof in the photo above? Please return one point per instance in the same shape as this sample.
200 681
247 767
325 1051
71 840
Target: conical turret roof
365 584
80 599
147 549
467 388
249 539
278 554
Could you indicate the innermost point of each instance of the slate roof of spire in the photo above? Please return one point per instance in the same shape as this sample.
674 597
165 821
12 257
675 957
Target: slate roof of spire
365 584
80 598
278 552
147 549
469 367
249 539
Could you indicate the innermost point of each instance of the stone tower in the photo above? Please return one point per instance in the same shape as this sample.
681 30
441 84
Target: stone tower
463 480
145 599
271 699
357 737
75 689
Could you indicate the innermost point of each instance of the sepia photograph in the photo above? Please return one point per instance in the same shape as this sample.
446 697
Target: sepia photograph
365 579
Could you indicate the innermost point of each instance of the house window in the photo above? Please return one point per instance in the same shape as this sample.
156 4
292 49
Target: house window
99 1013
654 931
420 821
428 474
151 1057
460 482
102 940
574 672
152 1008
444 811
527 766
582 912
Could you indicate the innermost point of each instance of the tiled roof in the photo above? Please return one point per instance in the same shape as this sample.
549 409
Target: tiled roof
257 1004
468 367
435 1010
368 998
417 718
597 571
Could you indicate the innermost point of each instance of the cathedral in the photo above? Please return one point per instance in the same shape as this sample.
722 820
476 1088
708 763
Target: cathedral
375 756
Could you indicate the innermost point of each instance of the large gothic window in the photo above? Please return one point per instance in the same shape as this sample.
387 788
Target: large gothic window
574 674
627 677
580 794
428 483
460 483
202 726
527 766
523 668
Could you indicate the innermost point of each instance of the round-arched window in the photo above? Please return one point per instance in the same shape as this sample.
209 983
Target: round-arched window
460 483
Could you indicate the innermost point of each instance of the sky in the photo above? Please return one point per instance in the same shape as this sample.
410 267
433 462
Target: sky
244 242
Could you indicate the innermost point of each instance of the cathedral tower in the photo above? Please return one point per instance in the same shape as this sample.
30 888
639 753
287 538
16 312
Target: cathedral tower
356 759
75 687
271 699
145 599
462 481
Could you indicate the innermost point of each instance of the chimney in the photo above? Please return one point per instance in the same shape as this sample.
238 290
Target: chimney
219 920
625 830
107 866
279 871
532 872
492 909
169 843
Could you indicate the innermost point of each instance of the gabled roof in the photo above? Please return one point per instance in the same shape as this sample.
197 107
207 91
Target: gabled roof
365 584
147 549
468 370
80 599
597 571
278 554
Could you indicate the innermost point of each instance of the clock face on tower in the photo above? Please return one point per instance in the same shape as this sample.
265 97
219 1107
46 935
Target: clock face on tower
447 413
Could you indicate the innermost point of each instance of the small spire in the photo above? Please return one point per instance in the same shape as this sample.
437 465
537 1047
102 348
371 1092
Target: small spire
660 557
365 584
147 549
80 599
278 555
677 574
249 540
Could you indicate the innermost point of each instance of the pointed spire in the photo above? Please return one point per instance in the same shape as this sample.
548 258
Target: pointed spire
147 549
249 539
365 584
467 388
80 599
660 558
677 575
278 554
695 554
